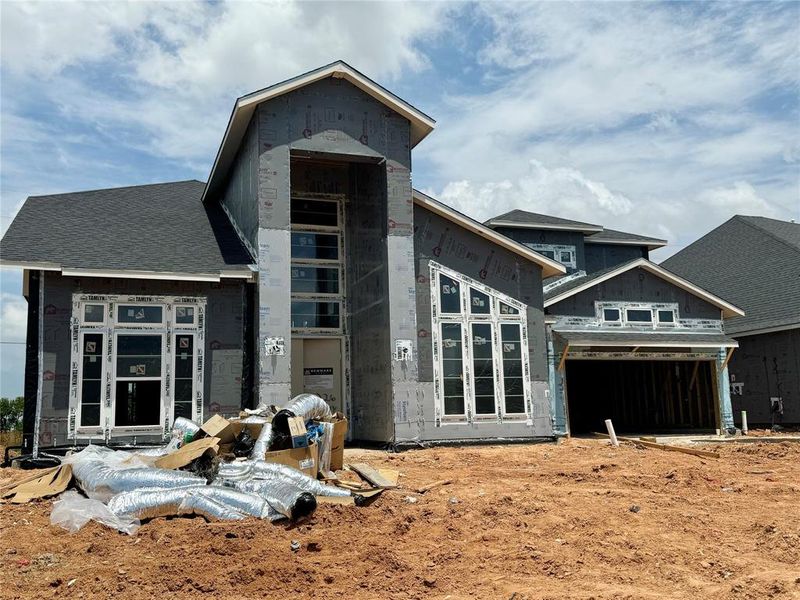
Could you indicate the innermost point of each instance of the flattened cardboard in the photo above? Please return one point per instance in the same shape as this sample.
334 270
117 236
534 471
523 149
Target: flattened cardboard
187 453
302 459
49 483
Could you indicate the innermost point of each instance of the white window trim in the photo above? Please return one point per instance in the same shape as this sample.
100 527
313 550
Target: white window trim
103 378
102 323
624 307
465 318
557 249
110 330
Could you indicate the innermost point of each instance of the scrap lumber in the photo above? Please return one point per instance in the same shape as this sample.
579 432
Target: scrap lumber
373 476
667 447
346 500
435 484
52 482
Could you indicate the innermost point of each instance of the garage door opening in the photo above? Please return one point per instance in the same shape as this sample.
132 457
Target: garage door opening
640 396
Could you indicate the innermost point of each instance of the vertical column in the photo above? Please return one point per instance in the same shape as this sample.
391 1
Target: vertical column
724 392
402 291
557 405
273 342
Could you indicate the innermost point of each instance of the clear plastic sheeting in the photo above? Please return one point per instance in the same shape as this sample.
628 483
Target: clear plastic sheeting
101 473
310 407
72 511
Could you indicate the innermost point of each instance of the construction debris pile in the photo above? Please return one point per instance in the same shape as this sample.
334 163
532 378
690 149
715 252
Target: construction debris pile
265 464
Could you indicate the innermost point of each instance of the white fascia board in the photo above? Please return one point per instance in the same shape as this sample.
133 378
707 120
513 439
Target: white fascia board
33 266
243 109
553 226
549 267
651 344
123 274
728 310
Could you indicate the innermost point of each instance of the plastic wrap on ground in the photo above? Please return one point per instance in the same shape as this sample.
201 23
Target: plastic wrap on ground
253 420
72 511
103 473
310 407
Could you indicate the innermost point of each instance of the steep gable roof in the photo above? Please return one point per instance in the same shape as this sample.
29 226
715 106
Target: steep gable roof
421 124
753 261
161 230
557 293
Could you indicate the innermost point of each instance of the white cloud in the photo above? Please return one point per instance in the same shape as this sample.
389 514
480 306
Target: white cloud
13 317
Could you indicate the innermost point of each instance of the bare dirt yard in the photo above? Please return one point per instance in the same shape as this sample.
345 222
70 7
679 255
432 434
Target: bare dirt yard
574 520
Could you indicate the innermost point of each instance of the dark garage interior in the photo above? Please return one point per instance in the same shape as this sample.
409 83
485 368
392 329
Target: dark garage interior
640 396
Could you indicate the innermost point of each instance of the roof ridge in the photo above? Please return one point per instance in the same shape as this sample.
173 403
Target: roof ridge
744 219
121 187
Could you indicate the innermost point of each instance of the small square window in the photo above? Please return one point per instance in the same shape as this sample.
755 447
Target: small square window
184 314
94 313
566 257
666 316
639 315
611 315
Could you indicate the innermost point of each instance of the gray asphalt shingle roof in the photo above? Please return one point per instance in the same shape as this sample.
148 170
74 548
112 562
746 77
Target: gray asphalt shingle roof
523 217
161 227
753 262
624 236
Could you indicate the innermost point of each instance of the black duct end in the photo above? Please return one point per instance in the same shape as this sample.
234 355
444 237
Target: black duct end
359 500
305 505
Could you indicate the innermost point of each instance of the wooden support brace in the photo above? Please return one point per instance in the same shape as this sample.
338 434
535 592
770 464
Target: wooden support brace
694 375
727 358
563 358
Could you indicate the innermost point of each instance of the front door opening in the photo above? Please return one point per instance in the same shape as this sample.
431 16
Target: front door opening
317 369
640 396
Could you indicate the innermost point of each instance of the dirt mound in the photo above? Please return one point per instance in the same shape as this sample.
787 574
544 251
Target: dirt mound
574 520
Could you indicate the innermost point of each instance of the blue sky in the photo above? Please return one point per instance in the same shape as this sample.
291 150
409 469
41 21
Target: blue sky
663 119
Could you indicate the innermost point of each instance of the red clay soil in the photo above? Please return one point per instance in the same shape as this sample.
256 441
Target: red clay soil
574 520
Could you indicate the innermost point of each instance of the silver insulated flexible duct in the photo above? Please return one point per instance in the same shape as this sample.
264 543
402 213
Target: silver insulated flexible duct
274 473
103 473
263 441
310 407
210 501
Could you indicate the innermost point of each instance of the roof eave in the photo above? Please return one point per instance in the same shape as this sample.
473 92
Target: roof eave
492 223
246 272
549 267
651 244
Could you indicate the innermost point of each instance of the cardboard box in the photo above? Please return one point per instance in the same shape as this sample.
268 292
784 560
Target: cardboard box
297 429
227 431
303 459
337 441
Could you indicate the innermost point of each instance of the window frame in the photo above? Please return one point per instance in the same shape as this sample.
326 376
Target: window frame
653 307
193 378
466 318
103 378
338 298
167 330
86 323
115 378
465 385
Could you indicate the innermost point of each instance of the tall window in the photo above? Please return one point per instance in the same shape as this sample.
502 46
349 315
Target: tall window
317 268
480 351
136 363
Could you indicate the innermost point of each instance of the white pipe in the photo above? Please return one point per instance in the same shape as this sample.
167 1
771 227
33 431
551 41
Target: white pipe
744 422
611 434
